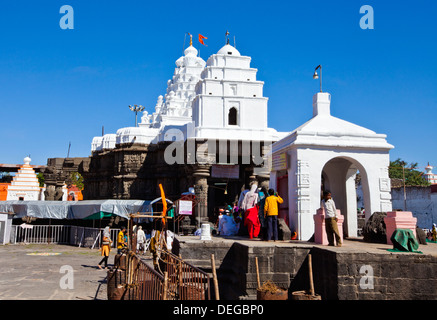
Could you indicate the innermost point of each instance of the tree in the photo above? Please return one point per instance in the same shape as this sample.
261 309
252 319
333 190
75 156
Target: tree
41 179
75 179
399 169
6 177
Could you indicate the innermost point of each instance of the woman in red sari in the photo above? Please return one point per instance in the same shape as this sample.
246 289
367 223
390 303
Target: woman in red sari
251 221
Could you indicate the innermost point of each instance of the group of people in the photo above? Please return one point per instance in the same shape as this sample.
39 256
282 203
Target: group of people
254 214
122 243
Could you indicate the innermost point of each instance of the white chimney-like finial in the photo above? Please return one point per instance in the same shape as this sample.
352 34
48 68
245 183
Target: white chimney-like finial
321 104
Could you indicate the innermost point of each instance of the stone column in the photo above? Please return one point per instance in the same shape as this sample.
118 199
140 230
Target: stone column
201 175
49 193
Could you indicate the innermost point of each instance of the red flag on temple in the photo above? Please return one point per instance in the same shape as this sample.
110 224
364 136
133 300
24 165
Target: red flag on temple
201 39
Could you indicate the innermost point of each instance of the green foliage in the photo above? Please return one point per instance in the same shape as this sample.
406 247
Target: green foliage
41 179
75 179
6 177
413 177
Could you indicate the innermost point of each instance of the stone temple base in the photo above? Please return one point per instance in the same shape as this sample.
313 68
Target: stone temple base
356 271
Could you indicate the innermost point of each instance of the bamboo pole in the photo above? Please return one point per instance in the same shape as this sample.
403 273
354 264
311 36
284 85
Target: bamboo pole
310 268
257 273
164 297
214 276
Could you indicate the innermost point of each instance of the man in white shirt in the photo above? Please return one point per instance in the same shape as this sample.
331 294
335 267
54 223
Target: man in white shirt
141 239
331 219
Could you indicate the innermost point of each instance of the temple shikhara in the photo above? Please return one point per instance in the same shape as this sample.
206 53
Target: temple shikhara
209 131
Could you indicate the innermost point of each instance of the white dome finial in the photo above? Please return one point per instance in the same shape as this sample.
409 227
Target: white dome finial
27 160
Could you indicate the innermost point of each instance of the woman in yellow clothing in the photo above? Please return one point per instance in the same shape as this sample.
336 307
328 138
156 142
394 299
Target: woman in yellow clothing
271 213
106 247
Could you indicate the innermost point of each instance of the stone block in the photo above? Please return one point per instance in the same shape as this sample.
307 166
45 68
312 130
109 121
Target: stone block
399 220
284 232
347 292
319 225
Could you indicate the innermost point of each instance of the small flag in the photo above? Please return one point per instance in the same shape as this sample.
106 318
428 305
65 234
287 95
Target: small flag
201 39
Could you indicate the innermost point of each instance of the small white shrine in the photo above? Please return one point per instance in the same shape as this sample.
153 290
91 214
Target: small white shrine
326 153
25 185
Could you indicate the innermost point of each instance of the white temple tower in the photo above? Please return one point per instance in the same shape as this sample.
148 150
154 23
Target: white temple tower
25 185
229 103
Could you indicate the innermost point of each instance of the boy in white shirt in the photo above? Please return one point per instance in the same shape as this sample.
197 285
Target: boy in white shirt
331 219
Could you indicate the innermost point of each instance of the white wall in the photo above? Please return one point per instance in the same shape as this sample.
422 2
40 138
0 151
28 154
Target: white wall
420 201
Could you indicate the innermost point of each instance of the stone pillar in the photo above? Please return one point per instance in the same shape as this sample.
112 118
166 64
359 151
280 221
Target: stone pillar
49 193
201 174
58 191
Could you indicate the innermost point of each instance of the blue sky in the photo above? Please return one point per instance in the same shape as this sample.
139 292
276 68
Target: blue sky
59 86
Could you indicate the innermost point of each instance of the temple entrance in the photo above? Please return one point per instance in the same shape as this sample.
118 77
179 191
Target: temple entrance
220 193
339 177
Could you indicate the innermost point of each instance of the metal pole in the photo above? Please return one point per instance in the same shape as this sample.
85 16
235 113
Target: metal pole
321 78
405 194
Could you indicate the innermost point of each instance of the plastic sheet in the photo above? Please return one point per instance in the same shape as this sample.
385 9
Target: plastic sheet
87 209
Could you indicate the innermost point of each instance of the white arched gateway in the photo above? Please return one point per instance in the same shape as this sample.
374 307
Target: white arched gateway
326 153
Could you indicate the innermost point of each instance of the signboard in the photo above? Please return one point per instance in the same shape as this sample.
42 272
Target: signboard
185 207
279 162
225 171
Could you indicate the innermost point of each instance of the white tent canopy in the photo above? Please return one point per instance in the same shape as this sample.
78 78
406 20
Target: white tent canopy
87 209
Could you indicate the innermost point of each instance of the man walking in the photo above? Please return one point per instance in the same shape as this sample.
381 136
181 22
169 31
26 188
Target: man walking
271 213
331 219
121 243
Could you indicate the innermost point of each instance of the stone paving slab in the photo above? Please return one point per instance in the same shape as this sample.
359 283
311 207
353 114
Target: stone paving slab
42 272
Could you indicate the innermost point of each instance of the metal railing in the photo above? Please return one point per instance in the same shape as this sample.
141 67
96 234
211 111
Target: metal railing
185 282
41 234
60 234
174 280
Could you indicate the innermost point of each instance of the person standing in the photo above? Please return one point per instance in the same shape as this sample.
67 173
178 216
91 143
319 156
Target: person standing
271 213
250 198
331 219
263 194
251 221
141 239
106 247
121 244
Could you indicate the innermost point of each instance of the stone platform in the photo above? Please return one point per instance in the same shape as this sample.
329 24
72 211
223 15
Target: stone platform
355 271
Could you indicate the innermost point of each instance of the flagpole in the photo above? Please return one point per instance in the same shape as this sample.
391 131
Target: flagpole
185 38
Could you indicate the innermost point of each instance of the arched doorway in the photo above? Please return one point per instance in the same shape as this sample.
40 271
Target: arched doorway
339 177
